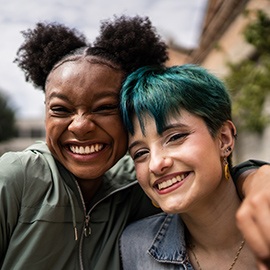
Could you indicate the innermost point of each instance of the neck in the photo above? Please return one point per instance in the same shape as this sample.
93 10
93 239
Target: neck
214 217
89 188
212 235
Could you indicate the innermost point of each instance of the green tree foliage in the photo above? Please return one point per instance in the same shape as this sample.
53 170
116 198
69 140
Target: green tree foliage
7 120
249 80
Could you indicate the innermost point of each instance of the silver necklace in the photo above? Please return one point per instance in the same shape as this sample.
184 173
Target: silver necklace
234 260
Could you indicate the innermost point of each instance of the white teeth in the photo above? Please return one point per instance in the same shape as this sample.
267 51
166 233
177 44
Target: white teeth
86 150
172 181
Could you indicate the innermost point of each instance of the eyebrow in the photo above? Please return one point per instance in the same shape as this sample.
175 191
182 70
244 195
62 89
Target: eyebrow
100 94
167 127
58 95
133 145
171 126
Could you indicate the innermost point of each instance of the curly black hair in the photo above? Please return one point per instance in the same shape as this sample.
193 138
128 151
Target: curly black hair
133 42
43 47
128 42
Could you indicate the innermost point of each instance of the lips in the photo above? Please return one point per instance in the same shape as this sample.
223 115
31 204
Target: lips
170 182
86 150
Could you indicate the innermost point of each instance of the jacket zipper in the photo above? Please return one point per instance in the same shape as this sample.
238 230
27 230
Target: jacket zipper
86 226
87 230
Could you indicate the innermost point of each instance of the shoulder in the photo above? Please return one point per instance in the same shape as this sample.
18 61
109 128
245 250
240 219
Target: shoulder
124 166
21 162
19 168
136 241
22 174
155 242
147 226
140 234
143 232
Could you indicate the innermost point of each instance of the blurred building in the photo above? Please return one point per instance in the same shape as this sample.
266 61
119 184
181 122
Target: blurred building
222 41
29 131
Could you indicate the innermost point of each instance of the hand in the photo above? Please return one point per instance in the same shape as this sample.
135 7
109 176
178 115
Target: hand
253 216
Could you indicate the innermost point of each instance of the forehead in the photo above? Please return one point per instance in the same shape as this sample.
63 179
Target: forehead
83 75
86 67
181 119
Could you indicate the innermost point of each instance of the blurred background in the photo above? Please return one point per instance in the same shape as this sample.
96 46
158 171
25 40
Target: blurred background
230 38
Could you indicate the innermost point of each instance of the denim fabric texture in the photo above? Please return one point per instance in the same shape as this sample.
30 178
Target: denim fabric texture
155 243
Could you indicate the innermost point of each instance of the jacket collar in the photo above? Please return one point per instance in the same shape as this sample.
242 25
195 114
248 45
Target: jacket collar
120 176
169 243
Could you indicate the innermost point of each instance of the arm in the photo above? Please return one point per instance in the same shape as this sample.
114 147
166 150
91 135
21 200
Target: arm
11 187
253 217
241 172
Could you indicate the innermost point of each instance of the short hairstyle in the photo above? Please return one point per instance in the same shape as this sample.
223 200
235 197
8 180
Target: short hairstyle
161 92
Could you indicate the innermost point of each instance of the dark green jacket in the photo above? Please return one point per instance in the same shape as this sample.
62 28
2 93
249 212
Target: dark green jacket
41 212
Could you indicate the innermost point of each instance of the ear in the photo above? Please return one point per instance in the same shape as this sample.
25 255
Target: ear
227 136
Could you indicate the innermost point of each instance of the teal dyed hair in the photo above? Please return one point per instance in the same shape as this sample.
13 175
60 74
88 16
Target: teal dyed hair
162 92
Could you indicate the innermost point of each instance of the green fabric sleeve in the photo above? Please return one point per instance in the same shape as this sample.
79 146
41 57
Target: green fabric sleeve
11 190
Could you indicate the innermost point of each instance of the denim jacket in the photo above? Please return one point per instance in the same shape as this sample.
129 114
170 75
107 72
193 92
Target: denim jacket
155 242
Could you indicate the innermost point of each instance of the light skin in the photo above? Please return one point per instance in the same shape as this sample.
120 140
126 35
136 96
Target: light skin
187 154
84 130
253 216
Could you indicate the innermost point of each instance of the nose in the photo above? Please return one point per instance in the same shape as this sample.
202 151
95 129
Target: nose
159 163
81 125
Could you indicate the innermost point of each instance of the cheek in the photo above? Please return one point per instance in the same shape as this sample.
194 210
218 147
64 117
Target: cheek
142 175
115 129
54 128
51 125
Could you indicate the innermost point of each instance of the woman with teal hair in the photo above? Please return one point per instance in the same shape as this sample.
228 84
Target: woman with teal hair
181 138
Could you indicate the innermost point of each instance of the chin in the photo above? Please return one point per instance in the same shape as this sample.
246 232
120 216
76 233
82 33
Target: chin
172 205
170 211
173 209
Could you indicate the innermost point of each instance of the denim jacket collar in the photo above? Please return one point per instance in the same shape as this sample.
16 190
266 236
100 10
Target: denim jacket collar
169 243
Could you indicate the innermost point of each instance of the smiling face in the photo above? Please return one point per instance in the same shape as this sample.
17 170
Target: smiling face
84 130
181 168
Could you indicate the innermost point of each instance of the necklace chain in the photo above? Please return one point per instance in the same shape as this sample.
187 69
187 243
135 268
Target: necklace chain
234 260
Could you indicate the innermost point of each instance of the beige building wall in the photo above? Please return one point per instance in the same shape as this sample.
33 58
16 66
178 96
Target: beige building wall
29 131
232 47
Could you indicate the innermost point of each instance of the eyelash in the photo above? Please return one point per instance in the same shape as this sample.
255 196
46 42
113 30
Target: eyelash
178 136
174 138
139 154
59 110
110 107
104 109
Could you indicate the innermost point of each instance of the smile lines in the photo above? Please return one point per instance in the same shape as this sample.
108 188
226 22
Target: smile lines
86 150
172 181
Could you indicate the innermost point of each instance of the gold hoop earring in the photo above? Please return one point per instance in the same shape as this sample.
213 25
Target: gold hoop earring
155 204
226 169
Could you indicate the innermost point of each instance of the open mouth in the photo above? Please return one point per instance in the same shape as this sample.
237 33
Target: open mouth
86 150
171 182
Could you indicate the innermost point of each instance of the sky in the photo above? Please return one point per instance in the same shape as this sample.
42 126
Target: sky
180 20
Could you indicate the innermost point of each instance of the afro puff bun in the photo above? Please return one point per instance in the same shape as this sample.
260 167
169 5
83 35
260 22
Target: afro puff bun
129 42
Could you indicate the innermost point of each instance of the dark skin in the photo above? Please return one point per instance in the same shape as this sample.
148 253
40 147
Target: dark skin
84 130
